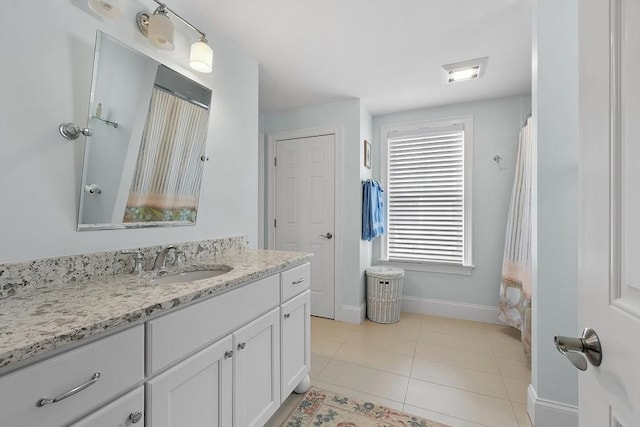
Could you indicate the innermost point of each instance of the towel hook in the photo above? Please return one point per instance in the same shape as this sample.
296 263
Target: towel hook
497 158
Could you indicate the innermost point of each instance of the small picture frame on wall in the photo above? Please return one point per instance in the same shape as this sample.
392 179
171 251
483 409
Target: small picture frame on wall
367 154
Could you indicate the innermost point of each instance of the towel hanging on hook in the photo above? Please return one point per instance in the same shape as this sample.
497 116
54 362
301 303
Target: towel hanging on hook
373 210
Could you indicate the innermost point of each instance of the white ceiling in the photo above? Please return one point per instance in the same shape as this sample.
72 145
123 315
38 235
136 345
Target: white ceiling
388 53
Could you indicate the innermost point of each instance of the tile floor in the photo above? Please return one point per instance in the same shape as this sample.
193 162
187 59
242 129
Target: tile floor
465 374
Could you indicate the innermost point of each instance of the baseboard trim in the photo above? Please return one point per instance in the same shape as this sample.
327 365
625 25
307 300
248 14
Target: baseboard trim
548 413
352 313
532 397
456 310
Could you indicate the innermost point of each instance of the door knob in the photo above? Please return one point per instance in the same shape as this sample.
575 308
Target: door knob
582 349
327 236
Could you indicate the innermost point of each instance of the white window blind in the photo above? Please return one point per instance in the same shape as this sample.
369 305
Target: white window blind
425 190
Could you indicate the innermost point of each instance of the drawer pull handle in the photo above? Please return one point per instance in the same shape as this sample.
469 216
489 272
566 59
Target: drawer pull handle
228 354
286 316
242 345
46 401
297 282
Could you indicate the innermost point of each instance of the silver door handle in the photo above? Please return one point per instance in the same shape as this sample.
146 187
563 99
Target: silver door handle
582 349
46 401
327 236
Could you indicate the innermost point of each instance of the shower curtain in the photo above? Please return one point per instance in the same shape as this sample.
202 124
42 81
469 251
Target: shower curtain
166 182
514 306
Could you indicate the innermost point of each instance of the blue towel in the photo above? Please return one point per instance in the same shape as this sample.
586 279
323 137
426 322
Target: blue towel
373 212
366 211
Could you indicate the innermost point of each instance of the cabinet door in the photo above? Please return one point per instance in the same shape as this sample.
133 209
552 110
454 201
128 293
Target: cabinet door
194 393
296 342
127 411
257 370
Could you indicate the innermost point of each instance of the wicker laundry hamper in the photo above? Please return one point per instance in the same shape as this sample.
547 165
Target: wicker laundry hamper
384 293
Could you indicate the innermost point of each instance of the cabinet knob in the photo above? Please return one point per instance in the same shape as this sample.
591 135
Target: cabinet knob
136 416
286 316
228 354
242 345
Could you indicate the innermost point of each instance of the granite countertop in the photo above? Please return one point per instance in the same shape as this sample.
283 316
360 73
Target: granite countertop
54 316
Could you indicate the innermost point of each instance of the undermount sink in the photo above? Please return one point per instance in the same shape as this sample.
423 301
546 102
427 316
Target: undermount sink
189 276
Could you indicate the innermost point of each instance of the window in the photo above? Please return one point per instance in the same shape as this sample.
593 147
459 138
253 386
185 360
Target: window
427 179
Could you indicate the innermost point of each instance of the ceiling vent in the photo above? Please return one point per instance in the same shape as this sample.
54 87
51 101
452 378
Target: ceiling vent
467 70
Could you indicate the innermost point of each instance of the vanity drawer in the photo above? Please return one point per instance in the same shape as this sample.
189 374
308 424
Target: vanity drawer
295 281
119 360
176 335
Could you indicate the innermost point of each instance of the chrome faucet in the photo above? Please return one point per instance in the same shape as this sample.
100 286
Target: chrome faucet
161 262
138 259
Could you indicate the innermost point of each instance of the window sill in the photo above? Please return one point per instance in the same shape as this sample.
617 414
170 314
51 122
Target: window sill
430 267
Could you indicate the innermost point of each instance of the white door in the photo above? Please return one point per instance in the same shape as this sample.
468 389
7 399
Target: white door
196 392
610 209
304 211
256 372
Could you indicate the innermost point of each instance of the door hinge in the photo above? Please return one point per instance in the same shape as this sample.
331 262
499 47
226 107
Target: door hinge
274 223
275 161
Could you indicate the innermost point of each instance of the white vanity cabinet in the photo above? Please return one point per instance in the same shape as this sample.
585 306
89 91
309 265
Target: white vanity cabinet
244 346
229 360
60 390
237 378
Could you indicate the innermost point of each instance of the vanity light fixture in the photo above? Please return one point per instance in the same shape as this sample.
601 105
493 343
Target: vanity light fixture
159 30
467 70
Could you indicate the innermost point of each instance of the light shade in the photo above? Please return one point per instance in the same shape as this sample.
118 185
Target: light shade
201 58
111 9
160 30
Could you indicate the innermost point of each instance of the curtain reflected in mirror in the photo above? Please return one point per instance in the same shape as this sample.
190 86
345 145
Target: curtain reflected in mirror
167 180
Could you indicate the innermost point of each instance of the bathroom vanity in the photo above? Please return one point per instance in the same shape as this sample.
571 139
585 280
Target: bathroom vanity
118 351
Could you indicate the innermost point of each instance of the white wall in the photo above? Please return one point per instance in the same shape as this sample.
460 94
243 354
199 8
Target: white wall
555 106
497 123
45 80
347 115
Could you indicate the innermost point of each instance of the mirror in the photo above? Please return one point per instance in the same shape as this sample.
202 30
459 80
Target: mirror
144 160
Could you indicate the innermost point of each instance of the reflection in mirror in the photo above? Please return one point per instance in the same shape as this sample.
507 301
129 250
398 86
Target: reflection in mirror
143 164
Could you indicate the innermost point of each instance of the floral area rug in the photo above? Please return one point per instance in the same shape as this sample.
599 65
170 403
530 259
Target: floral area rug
321 408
